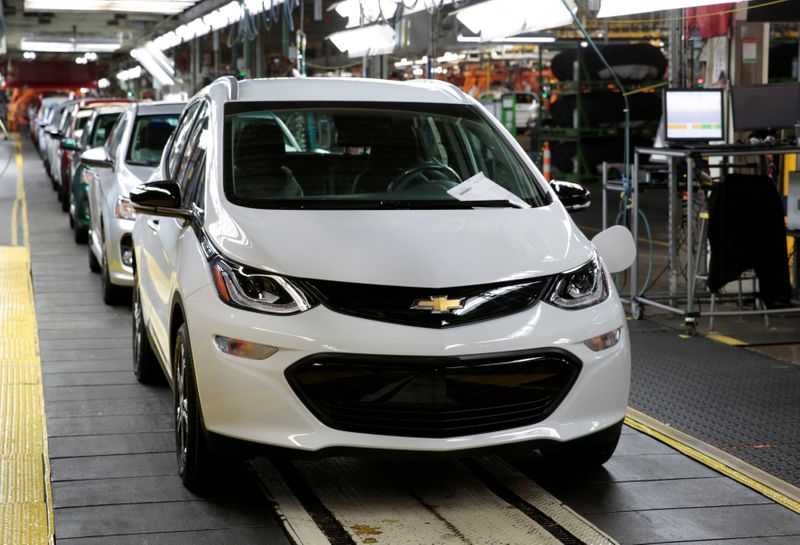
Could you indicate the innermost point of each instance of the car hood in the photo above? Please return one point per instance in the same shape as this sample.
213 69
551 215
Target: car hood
412 248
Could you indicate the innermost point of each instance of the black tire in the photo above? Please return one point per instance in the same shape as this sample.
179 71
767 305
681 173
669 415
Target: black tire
145 364
94 265
191 447
64 198
112 294
81 235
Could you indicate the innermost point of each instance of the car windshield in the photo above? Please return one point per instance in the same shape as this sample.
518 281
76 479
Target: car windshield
362 156
102 126
149 136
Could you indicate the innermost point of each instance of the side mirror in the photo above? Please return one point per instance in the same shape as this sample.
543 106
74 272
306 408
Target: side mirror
573 196
97 158
52 130
159 198
69 144
616 246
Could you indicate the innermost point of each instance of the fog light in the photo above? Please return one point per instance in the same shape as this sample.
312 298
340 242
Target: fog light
127 258
244 349
604 341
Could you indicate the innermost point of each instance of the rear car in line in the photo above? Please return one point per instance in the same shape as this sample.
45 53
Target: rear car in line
94 134
131 152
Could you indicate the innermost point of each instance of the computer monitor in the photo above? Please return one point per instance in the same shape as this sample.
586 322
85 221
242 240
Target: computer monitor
764 107
693 115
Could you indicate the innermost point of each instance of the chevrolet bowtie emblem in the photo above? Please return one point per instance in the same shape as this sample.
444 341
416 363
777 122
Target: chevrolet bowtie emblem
439 304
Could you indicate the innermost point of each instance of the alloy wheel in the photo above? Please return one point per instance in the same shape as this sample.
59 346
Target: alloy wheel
181 407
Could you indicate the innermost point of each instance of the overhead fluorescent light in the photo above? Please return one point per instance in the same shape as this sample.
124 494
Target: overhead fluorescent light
166 7
154 65
226 15
365 40
497 19
509 40
365 12
615 8
29 55
53 44
130 73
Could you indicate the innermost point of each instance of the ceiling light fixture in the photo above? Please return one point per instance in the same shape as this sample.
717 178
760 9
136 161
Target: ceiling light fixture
166 7
509 40
130 73
615 8
365 40
498 19
30 55
53 44
157 67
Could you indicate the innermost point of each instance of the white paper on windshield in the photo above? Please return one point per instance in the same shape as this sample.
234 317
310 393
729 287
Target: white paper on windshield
481 188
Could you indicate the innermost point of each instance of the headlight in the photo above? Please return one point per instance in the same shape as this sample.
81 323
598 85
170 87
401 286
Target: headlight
124 209
255 290
581 287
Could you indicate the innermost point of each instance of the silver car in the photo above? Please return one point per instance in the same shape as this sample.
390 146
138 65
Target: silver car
131 153
43 118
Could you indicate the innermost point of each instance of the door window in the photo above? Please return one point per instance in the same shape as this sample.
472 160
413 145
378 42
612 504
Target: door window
181 135
115 137
190 175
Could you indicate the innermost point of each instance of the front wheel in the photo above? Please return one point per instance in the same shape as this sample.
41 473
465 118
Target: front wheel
194 456
112 294
145 364
94 265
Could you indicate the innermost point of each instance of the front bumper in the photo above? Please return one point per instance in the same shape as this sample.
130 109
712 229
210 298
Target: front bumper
252 400
118 237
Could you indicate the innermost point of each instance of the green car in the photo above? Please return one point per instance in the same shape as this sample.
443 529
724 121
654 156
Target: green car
94 134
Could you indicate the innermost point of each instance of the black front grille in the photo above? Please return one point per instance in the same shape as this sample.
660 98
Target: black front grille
396 304
433 397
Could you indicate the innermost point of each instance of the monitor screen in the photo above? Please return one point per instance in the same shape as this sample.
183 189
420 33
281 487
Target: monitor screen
760 107
694 114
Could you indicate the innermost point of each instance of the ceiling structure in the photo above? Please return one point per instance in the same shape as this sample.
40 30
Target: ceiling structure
129 28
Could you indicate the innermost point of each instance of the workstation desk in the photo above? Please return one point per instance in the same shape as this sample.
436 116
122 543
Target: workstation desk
673 301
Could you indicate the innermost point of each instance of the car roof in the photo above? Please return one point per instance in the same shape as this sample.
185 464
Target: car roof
153 108
106 109
86 103
350 90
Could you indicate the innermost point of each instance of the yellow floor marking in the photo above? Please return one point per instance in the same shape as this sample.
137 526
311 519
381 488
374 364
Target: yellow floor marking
19 209
762 482
726 340
26 510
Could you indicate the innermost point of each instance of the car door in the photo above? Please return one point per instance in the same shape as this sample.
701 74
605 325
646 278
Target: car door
101 178
157 278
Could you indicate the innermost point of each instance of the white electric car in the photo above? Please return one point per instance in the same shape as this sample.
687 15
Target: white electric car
404 279
130 154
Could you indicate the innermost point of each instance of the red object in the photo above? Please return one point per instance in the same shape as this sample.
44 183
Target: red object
708 25
57 74
546 168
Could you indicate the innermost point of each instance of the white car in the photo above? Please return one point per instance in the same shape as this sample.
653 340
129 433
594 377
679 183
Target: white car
405 280
130 154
